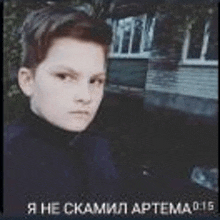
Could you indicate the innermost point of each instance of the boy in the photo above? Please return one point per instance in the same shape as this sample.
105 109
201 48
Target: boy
49 156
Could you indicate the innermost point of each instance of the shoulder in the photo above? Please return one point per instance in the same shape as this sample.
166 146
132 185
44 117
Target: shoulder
97 142
13 132
14 129
98 149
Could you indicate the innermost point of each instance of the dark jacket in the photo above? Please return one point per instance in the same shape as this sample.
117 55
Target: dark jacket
43 163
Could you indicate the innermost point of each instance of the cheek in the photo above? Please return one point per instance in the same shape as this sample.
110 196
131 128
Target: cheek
98 96
47 89
44 96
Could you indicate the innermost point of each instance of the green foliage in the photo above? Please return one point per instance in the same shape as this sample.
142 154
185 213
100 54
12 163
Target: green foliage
14 105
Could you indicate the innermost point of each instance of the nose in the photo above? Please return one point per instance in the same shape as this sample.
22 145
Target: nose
83 93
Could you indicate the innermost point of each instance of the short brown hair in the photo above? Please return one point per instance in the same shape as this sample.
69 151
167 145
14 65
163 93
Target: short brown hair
42 26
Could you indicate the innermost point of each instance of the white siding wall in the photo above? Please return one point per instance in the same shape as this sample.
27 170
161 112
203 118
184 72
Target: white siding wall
191 81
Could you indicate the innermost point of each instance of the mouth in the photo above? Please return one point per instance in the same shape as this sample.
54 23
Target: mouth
79 112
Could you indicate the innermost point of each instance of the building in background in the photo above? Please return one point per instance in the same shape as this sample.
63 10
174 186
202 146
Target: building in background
191 87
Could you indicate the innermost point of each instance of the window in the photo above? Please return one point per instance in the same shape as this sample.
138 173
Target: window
132 36
201 43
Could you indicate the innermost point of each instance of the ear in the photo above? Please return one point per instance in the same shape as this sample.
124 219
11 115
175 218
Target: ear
26 80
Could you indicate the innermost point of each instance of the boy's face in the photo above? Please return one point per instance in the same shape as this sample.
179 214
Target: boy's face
68 85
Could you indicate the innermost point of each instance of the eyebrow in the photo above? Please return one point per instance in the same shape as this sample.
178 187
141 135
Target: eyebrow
68 69
64 68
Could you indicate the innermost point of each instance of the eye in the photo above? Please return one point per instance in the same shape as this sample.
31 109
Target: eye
63 76
97 81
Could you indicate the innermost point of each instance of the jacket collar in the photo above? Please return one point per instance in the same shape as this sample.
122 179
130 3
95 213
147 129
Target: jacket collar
42 128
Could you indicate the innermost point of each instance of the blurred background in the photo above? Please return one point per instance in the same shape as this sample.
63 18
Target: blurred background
161 97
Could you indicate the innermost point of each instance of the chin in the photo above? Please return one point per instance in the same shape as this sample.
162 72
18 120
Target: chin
76 128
